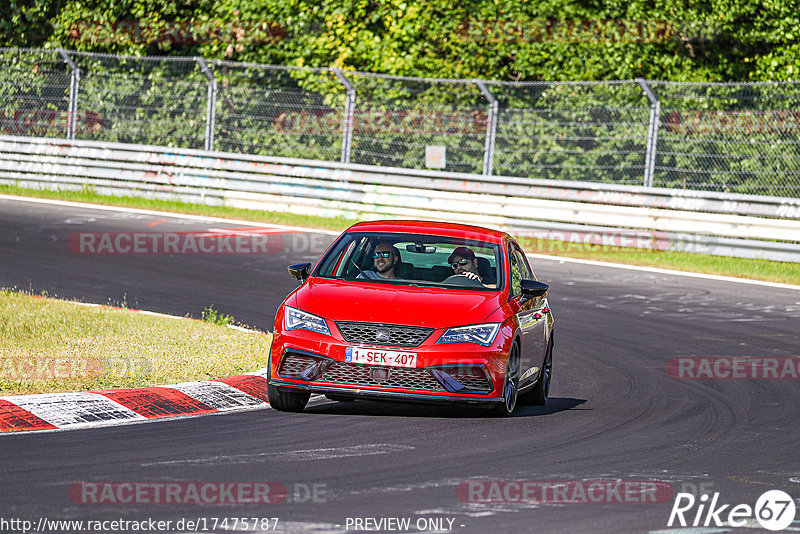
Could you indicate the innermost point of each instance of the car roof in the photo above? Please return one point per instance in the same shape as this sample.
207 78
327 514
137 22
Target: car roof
448 229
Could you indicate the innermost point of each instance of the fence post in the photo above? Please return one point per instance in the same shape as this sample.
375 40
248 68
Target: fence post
75 76
349 114
211 103
652 132
491 127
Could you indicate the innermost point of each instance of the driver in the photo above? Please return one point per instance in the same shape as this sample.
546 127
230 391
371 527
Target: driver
464 263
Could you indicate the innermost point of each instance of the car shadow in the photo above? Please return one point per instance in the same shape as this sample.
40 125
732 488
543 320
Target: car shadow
323 406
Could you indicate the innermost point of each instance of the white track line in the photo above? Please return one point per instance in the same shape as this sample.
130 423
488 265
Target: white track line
672 272
203 218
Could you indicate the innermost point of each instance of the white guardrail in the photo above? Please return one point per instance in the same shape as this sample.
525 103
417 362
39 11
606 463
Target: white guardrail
587 213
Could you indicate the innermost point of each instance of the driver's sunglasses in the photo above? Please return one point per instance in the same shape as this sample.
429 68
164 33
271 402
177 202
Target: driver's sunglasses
462 261
376 255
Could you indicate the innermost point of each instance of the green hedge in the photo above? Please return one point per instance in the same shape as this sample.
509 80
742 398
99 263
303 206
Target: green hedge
677 40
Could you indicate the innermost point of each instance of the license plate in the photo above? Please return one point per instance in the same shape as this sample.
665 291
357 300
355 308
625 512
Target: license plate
392 358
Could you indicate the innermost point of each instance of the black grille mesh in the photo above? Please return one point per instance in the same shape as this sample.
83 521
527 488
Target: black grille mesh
399 336
475 380
294 364
399 377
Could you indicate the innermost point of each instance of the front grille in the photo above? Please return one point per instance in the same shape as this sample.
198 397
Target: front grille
399 377
475 380
398 336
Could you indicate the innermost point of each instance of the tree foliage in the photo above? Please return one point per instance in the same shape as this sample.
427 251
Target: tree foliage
678 40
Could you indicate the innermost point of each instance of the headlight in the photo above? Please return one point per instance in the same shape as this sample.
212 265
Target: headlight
482 334
294 318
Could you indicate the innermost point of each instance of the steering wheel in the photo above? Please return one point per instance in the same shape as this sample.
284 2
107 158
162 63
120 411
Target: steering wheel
461 280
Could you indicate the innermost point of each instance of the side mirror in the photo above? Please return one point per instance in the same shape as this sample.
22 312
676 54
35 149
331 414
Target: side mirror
532 289
299 271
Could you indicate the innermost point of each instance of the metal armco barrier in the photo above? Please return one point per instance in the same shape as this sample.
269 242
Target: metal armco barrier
713 223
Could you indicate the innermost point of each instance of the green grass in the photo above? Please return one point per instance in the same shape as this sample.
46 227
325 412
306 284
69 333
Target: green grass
49 345
702 263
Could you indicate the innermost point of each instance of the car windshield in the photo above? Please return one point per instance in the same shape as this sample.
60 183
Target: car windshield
414 259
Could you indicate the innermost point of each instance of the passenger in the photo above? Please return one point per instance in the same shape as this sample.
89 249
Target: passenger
384 259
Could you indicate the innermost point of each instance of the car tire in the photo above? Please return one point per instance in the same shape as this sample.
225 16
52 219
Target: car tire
510 384
287 399
541 390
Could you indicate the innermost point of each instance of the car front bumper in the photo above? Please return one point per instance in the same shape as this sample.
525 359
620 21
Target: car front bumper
379 394
443 375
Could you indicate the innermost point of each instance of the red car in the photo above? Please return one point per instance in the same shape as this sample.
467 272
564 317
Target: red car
415 311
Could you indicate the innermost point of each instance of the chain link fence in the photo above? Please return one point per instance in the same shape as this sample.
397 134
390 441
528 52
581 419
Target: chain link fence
740 138
572 131
395 119
729 137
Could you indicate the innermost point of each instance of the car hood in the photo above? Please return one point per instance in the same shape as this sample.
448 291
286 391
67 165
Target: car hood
394 304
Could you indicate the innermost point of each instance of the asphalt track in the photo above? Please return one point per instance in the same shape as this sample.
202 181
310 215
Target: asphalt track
614 413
